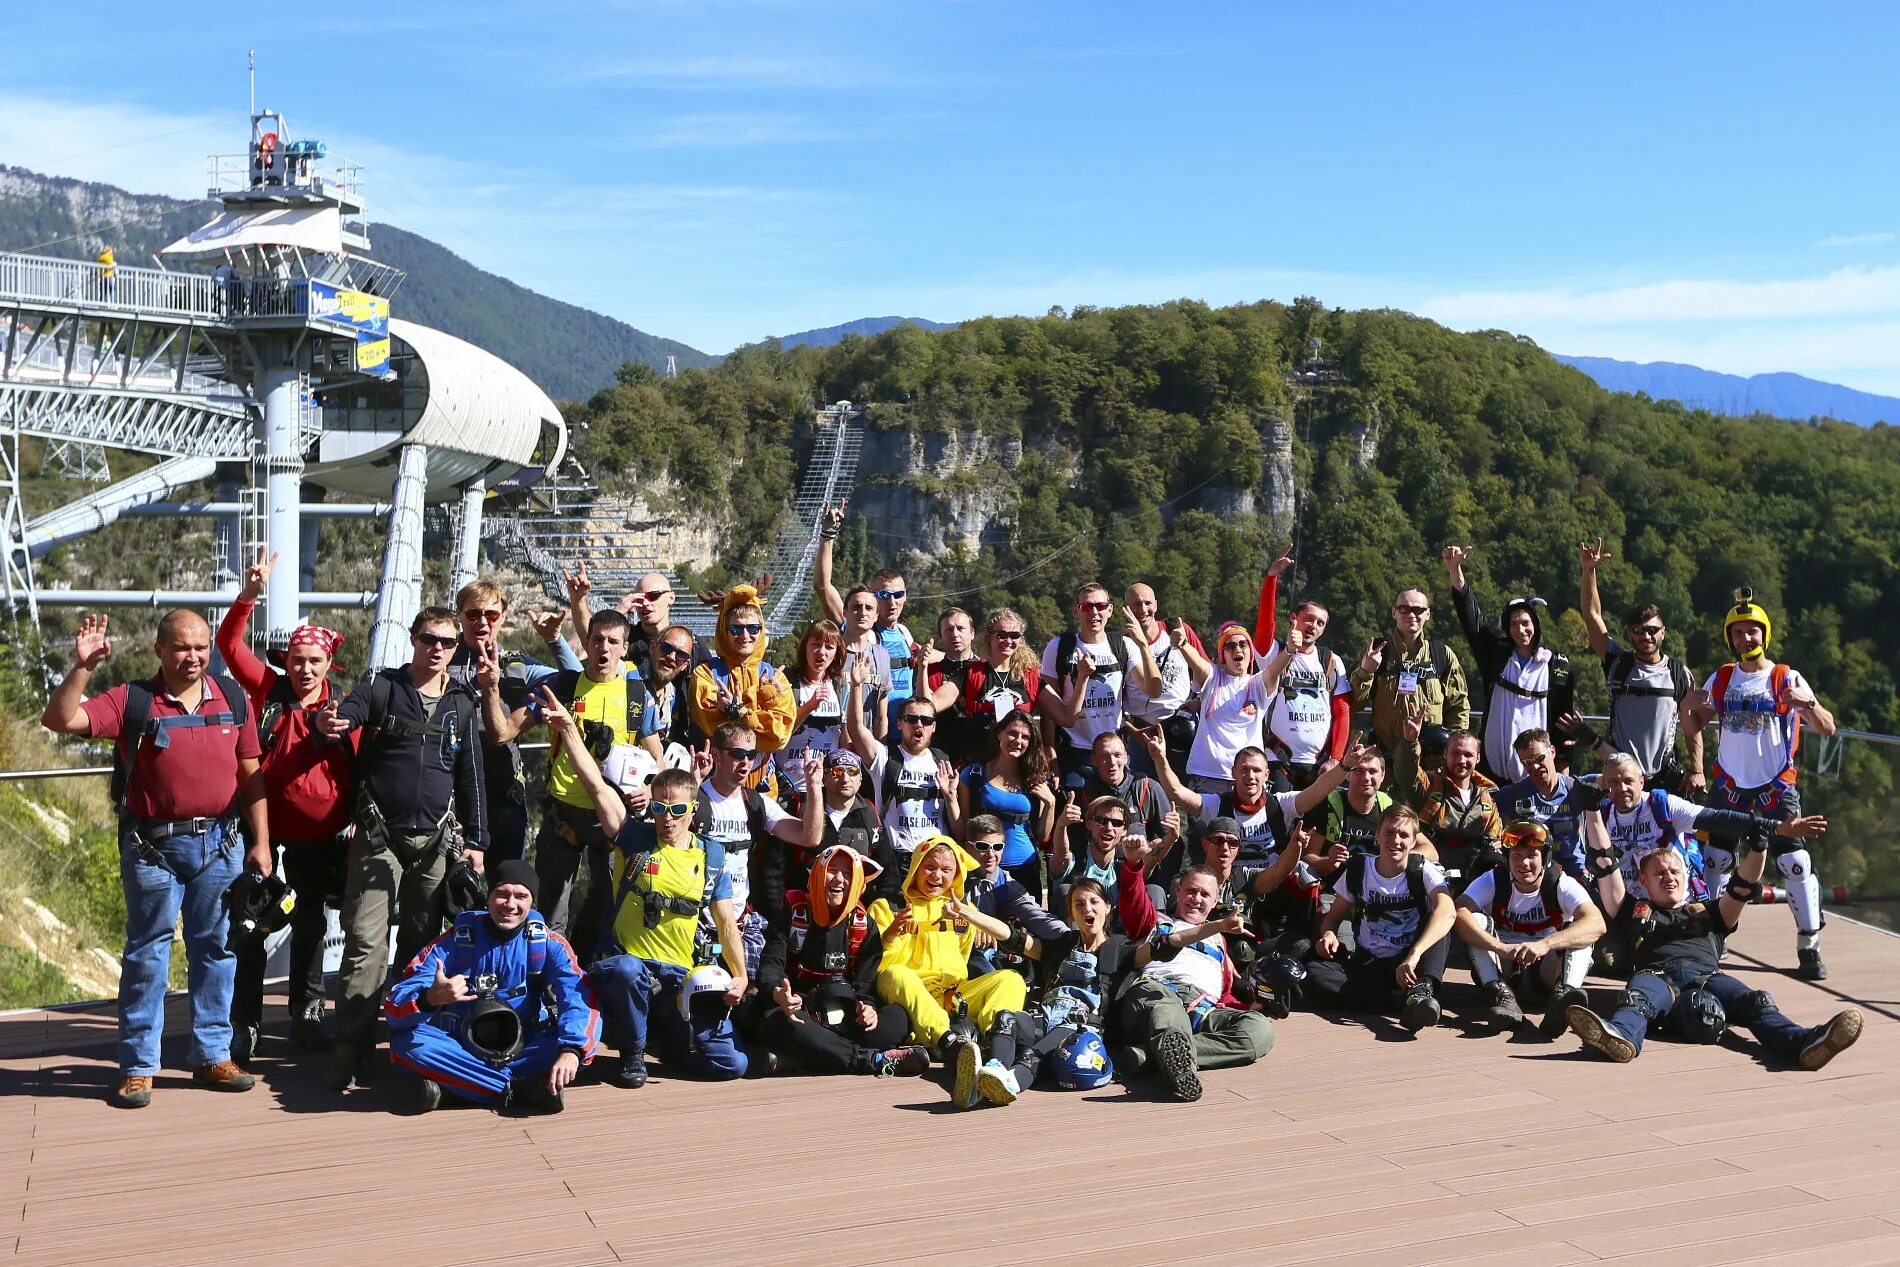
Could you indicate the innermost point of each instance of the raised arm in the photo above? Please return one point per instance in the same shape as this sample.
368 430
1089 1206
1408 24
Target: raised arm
1146 672
64 713
578 587
831 520
1178 792
1745 881
1589 558
1266 614
1600 862
234 645
609 807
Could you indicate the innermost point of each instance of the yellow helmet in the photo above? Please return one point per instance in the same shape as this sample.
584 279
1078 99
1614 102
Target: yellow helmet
1746 609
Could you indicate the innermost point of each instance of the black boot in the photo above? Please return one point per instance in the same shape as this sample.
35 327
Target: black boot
632 1072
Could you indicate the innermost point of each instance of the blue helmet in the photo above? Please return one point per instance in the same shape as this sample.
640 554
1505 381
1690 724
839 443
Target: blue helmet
1082 1063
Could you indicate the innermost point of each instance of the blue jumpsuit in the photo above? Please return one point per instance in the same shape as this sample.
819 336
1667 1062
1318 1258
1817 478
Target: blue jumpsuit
429 1040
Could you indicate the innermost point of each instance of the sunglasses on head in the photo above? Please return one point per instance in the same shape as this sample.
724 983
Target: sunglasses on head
891 593
745 630
488 614
441 642
672 809
1526 834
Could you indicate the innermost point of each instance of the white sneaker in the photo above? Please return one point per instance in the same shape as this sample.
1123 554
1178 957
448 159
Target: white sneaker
996 1083
968 1062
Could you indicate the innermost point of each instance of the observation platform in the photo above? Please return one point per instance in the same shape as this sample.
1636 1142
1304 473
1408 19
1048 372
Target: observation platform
1344 1145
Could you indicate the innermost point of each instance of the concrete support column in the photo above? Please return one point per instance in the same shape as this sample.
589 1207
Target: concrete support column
307 529
401 595
468 542
283 493
226 567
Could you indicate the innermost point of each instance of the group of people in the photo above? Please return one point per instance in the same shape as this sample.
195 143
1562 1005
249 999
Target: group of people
1126 857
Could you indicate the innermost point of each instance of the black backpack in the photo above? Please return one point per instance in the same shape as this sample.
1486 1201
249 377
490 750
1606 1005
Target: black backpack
1618 668
1066 651
888 791
137 726
1356 884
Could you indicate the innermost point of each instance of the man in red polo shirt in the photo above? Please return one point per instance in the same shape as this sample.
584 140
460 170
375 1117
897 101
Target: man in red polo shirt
190 767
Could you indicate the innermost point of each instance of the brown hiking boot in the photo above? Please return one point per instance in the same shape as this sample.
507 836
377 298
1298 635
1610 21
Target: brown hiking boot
135 1092
223 1076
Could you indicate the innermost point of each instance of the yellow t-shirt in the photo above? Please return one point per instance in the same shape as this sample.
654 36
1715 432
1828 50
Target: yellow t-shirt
603 703
678 873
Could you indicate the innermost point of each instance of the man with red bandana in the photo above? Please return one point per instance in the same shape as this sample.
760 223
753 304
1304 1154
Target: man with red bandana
307 792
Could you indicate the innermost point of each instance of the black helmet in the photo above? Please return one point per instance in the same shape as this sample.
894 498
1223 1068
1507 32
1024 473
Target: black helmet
463 889
1278 982
1433 739
493 1030
259 906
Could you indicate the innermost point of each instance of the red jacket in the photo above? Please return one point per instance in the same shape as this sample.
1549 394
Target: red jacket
1138 919
306 778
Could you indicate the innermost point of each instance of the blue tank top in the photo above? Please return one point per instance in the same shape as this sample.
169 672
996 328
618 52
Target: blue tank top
987 798
897 647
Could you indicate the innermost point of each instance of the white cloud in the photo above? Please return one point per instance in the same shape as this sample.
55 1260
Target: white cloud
1856 239
1840 293
125 143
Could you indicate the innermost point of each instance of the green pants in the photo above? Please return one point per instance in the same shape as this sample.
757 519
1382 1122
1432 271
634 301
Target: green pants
408 871
1227 1035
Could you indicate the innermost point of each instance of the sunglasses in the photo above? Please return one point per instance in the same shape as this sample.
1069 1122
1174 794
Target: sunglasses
917 719
438 641
745 631
842 770
1094 605
1109 822
891 593
1526 834
741 756
668 651
672 809
1412 609
1007 635
1222 840
986 846
1650 631
482 613
652 596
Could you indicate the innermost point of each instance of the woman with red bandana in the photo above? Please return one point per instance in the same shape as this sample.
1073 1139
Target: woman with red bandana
307 790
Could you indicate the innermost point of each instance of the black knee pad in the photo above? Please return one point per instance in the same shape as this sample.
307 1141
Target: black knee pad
1698 1016
1005 1026
1635 999
1751 1007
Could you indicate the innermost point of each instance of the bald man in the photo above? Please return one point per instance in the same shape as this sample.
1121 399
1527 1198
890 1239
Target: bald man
187 767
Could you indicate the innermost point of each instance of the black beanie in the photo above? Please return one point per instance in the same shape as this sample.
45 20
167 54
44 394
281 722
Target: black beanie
513 871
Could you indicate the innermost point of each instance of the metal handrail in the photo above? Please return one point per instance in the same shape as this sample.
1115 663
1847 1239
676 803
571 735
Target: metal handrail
84 284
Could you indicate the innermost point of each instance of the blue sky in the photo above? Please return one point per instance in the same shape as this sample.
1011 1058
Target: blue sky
1704 183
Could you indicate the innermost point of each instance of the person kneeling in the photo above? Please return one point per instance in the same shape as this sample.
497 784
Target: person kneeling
819 969
1675 963
665 877
494 1010
1180 1011
1525 920
1061 1032
925 968
1401 911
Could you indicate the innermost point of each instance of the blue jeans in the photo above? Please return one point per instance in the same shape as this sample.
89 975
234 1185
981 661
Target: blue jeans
190 874
639 998
1782 1038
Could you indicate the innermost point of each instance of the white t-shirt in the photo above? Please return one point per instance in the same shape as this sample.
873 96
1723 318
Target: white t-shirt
822 732
1509 714
1301 713
1102 705
908 821
1198 966
730 828
1232 709
1526 908
1391 923
1176 683
1756 743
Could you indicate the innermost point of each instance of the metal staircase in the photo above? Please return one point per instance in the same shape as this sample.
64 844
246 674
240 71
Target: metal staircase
571 520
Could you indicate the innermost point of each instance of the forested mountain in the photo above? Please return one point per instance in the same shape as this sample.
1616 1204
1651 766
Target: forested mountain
866 326
569 351
1009 459
1783 395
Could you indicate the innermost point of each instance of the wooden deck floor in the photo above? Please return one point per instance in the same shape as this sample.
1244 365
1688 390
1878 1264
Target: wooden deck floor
1342 1146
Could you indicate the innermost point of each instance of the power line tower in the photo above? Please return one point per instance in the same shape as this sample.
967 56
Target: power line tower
672 367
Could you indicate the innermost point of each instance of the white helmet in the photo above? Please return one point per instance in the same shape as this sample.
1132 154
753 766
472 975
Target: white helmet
629 766
707 979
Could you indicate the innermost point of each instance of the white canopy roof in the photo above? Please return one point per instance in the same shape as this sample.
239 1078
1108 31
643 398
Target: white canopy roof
310 228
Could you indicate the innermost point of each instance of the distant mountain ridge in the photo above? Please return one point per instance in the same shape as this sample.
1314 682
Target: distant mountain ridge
866 326
1783 395
570 351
